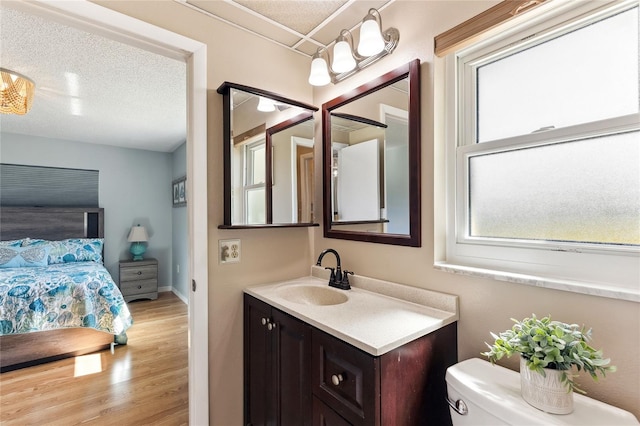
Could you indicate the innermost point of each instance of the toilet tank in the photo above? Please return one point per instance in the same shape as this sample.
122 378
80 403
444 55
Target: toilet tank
492 397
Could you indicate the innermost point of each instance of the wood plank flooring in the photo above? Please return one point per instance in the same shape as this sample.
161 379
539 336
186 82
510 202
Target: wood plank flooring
144 382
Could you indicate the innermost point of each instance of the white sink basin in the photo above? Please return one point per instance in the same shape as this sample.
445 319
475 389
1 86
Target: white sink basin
313 295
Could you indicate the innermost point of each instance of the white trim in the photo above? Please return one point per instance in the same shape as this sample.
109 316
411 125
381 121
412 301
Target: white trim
100 20
537 281
588 270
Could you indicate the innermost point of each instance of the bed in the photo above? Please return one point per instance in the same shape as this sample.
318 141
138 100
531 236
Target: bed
57 299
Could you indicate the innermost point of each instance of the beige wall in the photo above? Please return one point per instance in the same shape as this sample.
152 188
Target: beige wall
485 305
275 254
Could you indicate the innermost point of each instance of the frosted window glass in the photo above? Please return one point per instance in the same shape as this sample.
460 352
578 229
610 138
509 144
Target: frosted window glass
585 75
256 206
581 191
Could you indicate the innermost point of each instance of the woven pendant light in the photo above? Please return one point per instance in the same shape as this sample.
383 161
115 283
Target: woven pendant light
16 96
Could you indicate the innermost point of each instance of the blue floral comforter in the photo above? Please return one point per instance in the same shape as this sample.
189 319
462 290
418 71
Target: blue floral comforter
80 294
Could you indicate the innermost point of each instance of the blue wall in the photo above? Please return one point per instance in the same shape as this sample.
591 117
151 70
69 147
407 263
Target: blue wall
135 187
180 232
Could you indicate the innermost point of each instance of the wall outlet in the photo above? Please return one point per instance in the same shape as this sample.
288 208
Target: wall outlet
229 251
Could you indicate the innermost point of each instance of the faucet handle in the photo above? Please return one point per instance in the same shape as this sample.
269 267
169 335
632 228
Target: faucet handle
332 279
345 279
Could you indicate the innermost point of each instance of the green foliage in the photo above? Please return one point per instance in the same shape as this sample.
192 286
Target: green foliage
550 344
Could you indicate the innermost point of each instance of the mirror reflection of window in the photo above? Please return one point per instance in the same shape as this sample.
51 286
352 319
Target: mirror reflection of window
254 182
268 153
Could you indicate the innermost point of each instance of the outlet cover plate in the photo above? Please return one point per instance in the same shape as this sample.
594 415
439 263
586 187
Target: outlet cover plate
229 251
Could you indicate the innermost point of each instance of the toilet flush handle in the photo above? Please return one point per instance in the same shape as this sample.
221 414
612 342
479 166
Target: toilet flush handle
459 406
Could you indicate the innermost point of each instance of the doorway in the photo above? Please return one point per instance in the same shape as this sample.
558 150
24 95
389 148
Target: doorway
108 23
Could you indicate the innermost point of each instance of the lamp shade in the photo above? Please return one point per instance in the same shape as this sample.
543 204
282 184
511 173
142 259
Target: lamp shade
138 234
371 41
343 60
16 92
319 75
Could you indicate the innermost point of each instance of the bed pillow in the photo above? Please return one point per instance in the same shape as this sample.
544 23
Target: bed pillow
11 243
76 250
17 257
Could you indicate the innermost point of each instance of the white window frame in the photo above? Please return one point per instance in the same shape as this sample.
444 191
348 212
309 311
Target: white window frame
611 271
248 177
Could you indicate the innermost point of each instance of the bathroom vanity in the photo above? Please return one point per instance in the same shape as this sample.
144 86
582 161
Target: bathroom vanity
373 355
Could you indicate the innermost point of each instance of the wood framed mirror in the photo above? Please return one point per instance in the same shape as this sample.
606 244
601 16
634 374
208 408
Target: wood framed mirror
268 158
371 160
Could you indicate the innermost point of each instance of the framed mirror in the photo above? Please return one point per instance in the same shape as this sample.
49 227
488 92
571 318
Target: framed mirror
371 160
268 159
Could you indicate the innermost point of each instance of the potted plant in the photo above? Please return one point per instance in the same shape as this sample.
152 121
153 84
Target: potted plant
549 350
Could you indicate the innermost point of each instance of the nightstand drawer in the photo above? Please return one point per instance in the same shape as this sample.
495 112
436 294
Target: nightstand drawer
136 273
138 287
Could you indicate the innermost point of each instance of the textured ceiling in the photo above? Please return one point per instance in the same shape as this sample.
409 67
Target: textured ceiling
93 89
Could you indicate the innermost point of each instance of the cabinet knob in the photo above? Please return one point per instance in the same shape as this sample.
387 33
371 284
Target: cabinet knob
139 287
264 321
336 379
139 272
271 326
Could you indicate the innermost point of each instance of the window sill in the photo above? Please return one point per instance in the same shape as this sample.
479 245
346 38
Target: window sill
592 289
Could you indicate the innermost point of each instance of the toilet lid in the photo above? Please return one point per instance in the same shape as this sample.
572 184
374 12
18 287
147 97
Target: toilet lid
497 390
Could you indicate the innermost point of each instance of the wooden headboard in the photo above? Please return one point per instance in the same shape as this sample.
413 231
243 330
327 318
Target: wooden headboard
51 223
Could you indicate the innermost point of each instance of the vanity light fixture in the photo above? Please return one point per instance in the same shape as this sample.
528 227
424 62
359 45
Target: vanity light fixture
266 104
16 94
373 45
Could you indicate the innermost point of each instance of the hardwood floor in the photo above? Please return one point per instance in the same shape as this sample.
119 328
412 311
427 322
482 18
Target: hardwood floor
144 382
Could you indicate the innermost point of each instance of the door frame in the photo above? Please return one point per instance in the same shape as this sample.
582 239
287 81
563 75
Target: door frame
126 29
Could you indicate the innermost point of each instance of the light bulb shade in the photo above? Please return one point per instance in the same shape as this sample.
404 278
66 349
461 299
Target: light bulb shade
371 41
138 234
16 96
319 75
343 60
266 105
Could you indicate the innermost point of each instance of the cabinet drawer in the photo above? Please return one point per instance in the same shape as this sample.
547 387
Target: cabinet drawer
345 378
136 273
138 287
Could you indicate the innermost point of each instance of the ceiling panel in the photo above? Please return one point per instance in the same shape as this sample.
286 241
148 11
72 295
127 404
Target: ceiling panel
93 89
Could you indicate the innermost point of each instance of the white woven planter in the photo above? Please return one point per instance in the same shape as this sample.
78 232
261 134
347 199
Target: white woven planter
546 393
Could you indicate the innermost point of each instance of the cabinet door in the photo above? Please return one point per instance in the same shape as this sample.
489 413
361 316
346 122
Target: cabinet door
325 416
292 365
259 386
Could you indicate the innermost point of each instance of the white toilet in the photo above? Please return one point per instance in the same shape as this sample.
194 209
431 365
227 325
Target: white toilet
490 395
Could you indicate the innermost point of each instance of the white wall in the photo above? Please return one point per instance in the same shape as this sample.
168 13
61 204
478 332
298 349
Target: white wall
179 231
134 187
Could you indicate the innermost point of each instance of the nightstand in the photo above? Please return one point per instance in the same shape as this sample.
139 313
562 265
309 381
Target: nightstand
139 279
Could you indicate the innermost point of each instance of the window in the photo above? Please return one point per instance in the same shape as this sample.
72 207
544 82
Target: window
543 150
254 182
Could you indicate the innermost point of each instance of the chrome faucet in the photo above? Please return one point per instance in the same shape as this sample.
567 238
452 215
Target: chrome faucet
338 279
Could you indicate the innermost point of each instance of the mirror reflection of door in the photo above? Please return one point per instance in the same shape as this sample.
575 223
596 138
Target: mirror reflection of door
370 183
396 158
387 108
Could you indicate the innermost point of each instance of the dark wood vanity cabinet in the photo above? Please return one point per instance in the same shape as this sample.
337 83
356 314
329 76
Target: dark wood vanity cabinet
405 386
296 374
277 387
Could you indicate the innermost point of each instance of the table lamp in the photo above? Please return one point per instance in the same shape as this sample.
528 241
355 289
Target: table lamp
138 237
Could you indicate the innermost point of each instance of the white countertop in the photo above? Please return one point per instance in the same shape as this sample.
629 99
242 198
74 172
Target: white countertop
377 317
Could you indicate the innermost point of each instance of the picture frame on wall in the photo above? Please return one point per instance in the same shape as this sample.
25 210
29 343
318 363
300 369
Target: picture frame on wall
179 192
